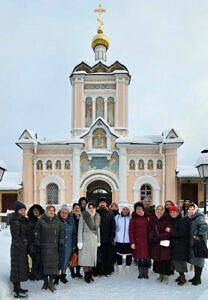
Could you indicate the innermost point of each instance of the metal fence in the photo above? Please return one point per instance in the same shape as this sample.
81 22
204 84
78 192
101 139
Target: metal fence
3 225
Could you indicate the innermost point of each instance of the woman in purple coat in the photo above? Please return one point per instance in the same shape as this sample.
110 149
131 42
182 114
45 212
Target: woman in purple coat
159 248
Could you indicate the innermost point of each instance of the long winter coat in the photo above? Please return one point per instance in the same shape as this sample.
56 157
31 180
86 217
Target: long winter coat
157 232
69 241
138 231
49 236
19 259
122 228
90 238
179 238
107 226
198 227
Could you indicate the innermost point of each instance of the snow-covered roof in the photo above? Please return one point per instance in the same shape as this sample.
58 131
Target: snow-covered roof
2 165
11 181
187 172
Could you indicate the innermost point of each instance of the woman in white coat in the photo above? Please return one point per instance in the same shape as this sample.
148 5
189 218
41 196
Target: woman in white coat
88 240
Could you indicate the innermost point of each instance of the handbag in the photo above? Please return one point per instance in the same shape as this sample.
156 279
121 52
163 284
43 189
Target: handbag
165 243
200 248
73 262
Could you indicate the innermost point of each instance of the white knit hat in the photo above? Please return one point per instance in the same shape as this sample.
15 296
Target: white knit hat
64 207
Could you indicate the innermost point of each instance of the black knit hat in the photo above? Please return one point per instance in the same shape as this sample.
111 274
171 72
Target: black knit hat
102 199
18 205
138 204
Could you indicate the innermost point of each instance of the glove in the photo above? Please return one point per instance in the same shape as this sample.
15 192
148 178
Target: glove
80 245
98 244
155 240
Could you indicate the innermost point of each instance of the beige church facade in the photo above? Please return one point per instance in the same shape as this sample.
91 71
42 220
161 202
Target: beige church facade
100 158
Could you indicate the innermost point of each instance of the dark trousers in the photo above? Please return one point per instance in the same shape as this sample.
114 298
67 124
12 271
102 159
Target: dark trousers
128 259
105 266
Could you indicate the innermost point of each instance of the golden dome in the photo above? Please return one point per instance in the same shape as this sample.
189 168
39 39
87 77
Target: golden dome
100 39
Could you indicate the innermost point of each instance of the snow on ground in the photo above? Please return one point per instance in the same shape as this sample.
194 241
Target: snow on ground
111 288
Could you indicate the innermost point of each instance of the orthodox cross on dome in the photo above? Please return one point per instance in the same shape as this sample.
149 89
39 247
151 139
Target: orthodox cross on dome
100 10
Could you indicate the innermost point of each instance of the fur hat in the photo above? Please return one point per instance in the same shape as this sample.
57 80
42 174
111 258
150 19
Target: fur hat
64 207
138 204
18 205
102 199
81 199
173 208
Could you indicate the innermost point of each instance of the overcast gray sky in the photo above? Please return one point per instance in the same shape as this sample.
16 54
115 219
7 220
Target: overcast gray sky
163 43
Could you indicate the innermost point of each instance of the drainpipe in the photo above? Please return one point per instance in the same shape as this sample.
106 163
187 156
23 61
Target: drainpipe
34 169
163 173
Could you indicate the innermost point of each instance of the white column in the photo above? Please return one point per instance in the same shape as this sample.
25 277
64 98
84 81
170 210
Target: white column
122 177
35 179
105 109
76 174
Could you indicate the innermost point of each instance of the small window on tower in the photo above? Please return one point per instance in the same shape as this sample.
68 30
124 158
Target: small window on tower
132 165
49 165
58 165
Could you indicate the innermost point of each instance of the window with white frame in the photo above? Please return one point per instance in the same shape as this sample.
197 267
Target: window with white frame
52 193
146 191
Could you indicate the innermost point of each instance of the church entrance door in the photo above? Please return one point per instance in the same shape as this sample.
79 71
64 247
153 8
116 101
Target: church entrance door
97 189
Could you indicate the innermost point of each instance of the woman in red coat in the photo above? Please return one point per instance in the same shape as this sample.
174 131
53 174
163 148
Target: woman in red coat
138 233
158 227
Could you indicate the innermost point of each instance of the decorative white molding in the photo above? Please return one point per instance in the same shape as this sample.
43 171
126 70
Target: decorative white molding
147 180
51 179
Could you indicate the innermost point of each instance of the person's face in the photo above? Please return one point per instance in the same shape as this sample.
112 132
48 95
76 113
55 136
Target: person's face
186 203
22 211
77 210
191 211
91 209
102 204
125 211
146 202
51 212
173 214
159 211
83 203
168 204
139 211
64 214
36 212
114 207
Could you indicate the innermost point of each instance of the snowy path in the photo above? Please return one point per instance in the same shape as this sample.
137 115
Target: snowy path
112 288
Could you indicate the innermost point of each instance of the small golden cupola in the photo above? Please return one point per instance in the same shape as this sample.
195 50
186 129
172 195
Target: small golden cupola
100 42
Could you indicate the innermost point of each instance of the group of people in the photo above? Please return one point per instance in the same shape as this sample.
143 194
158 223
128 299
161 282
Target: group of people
43 242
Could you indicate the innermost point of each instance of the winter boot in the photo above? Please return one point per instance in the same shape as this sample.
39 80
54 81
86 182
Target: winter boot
51 285
45 283
182 280
87 277
160 278
73 275
140 272
128 270
145 273
197 279
63 278
165 279
17 293
78 275
178 278
24 291
56 280
119 270
90 276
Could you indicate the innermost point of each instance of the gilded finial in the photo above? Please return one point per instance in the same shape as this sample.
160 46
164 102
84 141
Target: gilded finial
100 10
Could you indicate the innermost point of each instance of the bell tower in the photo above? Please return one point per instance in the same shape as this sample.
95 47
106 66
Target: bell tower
100 90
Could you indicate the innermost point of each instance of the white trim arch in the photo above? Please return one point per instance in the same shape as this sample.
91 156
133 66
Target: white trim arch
147 180
52 179
94 175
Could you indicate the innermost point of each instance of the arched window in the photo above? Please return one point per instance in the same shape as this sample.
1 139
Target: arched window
150 164
146 191
49 165
110 111
132 165
52 194
99 107
141 164
39 165
88 111
99 139
67 165
58 164
159 164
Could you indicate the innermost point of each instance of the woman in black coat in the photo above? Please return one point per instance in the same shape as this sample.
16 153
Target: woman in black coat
34 214
49 237
179 243
19 259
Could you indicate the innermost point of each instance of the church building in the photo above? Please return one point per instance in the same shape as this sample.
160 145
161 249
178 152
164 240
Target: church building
100 158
